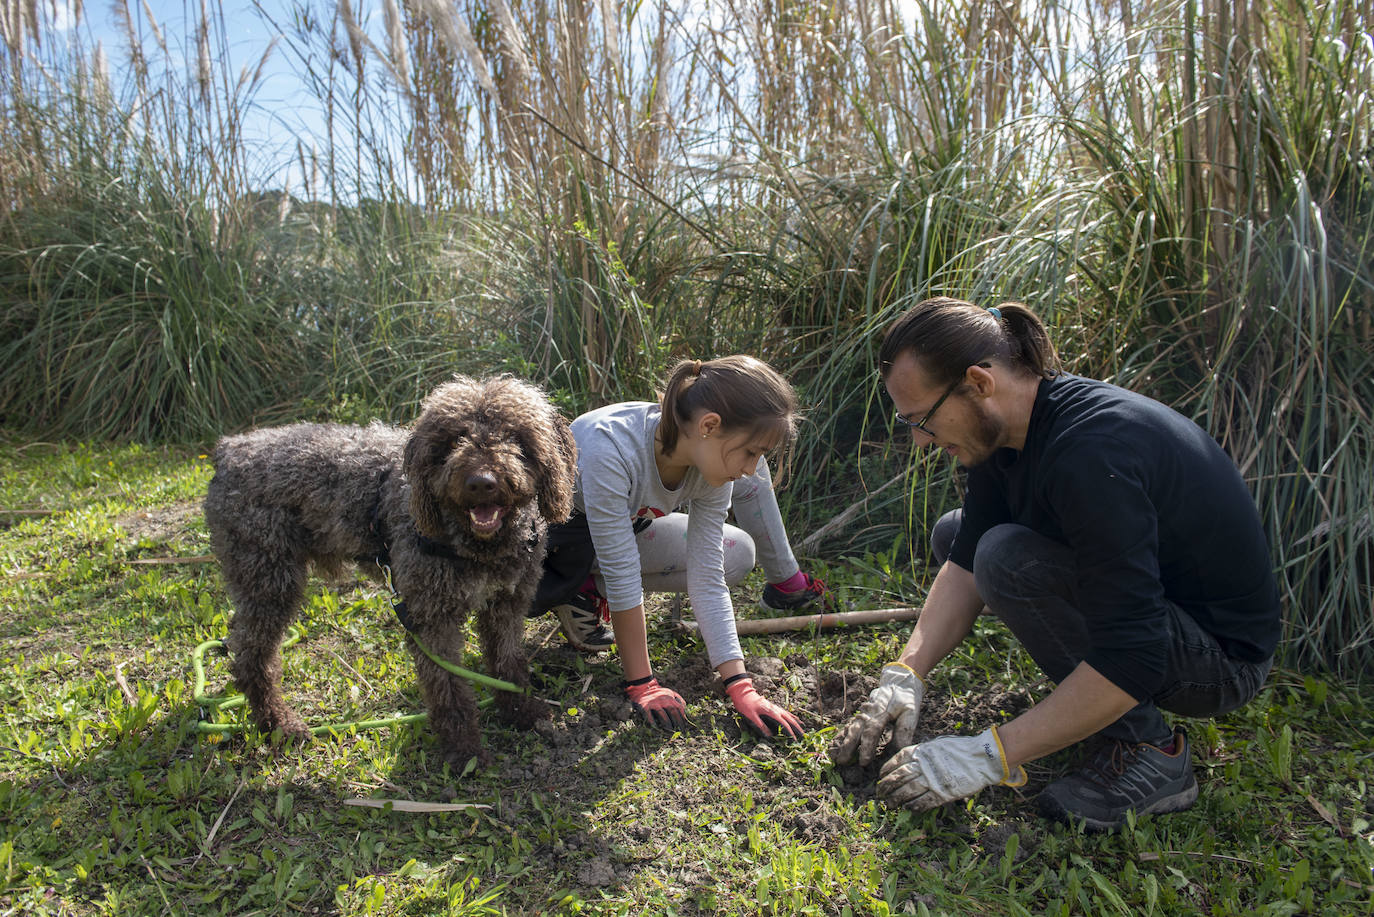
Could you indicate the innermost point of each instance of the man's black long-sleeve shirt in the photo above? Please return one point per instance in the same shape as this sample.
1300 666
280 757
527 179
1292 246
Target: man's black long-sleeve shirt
1152 509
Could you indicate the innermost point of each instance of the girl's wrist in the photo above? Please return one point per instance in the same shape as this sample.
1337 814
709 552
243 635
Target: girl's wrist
635 673
631 642
730 667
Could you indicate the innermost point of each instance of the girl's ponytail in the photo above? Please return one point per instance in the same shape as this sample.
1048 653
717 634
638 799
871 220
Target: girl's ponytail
684 374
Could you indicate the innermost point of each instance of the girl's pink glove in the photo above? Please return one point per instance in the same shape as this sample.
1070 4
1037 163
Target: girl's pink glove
766 717
661 706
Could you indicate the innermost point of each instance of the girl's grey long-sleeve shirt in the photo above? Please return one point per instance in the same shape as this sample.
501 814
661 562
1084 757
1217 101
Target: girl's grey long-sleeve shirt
618 483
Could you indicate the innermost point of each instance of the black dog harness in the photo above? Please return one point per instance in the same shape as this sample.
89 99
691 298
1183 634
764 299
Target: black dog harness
382 558
376 526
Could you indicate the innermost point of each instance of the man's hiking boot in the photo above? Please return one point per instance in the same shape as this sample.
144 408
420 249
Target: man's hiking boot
1123 777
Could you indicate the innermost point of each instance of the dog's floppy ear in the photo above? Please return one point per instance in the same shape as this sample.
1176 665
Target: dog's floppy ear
426 449
419 465
555 452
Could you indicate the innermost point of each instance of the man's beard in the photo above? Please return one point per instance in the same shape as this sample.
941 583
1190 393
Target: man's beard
984 438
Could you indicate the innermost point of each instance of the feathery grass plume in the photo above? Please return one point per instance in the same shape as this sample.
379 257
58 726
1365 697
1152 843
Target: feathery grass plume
396 60
249 80
610 27
120 10
398 54
356 36
204 75
100 77
152 26
15 28
308 176
454 31
34 20
513 42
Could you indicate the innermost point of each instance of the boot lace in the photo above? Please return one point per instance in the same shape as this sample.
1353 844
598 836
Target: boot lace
1109 764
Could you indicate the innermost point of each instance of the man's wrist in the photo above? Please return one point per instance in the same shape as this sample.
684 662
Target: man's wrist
1012 774
909 667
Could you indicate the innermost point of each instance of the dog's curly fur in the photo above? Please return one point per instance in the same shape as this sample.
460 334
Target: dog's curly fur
459 504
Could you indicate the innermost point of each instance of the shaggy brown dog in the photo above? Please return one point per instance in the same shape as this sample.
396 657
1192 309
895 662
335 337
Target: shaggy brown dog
458 507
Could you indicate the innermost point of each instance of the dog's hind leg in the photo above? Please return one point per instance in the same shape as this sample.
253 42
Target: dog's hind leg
267 593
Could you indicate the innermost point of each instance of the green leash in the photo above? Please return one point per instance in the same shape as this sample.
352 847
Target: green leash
224 702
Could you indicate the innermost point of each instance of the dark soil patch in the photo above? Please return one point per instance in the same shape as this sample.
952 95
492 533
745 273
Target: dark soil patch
710 782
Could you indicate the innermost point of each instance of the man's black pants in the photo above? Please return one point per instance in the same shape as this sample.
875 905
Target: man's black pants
1029 580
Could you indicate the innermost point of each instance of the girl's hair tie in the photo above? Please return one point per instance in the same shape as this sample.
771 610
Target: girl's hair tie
996 312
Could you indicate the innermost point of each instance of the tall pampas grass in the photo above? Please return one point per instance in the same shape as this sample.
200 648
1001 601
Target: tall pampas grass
585 192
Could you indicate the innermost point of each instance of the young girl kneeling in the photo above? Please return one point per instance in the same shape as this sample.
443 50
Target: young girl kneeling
638 464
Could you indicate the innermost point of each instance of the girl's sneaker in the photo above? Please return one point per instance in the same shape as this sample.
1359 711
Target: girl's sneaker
583 620
774 599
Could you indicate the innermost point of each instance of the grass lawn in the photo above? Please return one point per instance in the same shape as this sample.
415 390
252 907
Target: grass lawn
112 801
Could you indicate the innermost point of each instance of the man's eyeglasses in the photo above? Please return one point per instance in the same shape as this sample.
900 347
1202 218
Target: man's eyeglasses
921 424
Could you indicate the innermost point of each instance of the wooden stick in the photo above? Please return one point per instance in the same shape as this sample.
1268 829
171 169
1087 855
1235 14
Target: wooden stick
410 805
821 621
210 838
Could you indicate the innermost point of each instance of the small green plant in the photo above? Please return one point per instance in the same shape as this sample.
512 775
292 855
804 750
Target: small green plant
1278 752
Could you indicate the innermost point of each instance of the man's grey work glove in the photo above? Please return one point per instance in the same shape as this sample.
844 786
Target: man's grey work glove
942 770
896 702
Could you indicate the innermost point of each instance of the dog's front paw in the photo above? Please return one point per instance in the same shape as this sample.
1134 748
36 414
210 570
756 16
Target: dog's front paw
523 711
287 724
459 759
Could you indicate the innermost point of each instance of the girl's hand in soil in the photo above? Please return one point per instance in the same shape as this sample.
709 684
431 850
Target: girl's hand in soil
766 717
662 707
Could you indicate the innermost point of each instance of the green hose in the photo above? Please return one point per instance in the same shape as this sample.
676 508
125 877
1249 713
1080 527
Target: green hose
218 703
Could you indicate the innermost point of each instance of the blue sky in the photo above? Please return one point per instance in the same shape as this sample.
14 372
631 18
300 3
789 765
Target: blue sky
282 110
247 32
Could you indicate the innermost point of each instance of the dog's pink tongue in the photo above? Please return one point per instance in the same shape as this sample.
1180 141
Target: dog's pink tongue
486 517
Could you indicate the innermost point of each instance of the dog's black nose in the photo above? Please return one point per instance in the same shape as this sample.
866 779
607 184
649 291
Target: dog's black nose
480 485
